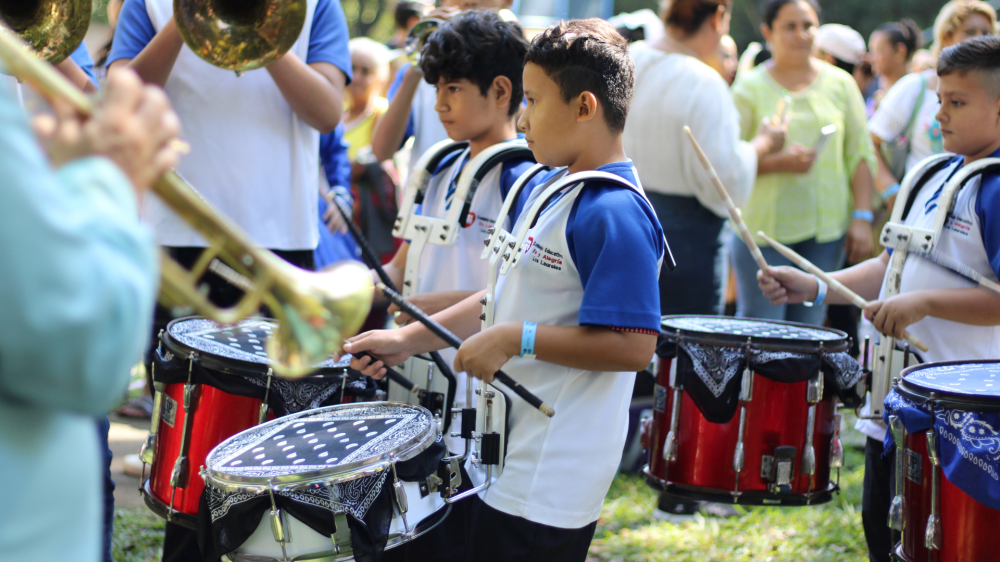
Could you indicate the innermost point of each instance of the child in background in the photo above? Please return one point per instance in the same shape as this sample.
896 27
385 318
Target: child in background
957 320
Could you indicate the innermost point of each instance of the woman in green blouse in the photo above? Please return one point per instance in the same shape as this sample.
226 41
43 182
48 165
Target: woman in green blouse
819 203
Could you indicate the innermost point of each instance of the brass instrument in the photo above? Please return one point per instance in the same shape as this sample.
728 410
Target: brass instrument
53 28
315 311
416 39
239 35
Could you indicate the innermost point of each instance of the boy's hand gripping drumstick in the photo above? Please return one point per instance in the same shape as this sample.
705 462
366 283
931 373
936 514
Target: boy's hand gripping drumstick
734 213
454 341
834 284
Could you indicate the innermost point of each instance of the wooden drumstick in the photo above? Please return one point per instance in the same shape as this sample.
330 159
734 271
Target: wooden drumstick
734 213
834 284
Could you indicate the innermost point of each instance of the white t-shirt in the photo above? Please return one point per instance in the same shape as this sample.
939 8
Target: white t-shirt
673 90
893 114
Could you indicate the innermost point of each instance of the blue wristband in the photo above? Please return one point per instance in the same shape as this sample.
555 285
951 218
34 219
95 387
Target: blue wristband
528 340
862 215
820 293
890 191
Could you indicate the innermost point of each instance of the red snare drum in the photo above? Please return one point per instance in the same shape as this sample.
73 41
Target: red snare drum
767 435
964 529
229 383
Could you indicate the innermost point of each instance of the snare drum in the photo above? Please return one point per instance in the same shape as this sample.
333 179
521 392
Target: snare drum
212 382
332 483
763 435
950 462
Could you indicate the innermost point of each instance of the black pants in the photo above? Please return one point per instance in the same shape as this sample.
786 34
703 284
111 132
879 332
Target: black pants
499 537
448 542
180 544
876 496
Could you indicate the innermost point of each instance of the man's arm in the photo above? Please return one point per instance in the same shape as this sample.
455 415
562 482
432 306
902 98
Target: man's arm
788 285
78 304
154 62
390 130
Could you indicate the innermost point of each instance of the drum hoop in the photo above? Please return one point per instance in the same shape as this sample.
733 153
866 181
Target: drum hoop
228 365
806 347
951 400
361 468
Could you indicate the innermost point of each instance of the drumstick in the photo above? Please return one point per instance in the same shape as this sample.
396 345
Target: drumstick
454 341
959 268
834 284
734 213
393 375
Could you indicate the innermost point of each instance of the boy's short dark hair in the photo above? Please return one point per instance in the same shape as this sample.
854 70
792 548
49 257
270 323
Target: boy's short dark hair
588 56
477 46
980 55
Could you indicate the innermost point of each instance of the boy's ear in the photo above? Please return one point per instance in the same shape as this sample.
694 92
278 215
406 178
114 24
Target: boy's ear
587 106
503 89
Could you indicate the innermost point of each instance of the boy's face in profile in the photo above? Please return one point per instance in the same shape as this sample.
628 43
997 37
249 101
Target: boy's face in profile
970 112
547 121
463 109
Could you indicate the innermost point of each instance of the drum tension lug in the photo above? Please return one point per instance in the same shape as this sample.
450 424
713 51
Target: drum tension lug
779 469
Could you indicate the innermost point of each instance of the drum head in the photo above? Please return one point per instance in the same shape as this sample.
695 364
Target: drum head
972 386
241 346
723 329
327 444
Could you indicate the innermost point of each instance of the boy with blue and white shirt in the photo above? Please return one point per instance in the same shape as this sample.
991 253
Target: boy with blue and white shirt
575 319
956 319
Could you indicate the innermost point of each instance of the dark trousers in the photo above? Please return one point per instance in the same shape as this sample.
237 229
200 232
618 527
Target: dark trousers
103 427
696 239
500 537
180 544
447 542
877 494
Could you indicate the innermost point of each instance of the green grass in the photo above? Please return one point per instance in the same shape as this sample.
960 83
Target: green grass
138 536
828 533
627 533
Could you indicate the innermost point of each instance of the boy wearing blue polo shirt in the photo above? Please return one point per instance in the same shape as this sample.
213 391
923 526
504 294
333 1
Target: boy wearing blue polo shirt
572 326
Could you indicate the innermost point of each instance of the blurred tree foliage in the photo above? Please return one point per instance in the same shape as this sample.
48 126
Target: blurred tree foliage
370 18
862 15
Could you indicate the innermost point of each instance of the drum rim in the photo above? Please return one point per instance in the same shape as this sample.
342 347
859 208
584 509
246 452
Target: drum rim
341 473
757 342
228 364
946 399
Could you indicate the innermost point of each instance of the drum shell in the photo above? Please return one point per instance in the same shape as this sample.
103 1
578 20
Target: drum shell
775 417
217 416
968 528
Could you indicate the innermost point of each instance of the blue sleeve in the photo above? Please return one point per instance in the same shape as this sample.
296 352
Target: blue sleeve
989 222
81 56
135 30
77 308
509 175
616 248
333 155
328 37
391 93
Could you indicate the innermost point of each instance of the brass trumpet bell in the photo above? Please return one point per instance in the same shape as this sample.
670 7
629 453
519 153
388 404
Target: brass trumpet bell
240 35
417 38
53 28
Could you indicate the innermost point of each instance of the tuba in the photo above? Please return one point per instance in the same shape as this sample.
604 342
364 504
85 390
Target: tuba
239 35
53 28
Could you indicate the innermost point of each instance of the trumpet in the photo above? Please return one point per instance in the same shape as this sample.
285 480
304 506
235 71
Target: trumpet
53 28
315 311
416 39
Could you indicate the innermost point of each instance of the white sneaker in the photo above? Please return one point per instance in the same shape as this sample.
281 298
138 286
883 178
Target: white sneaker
721 510
675 518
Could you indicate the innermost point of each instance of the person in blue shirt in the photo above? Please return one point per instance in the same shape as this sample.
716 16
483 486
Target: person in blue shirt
576 316
335 243
255 144
78 299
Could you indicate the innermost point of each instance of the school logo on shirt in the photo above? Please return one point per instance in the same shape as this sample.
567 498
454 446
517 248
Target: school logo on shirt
958 225
547 258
